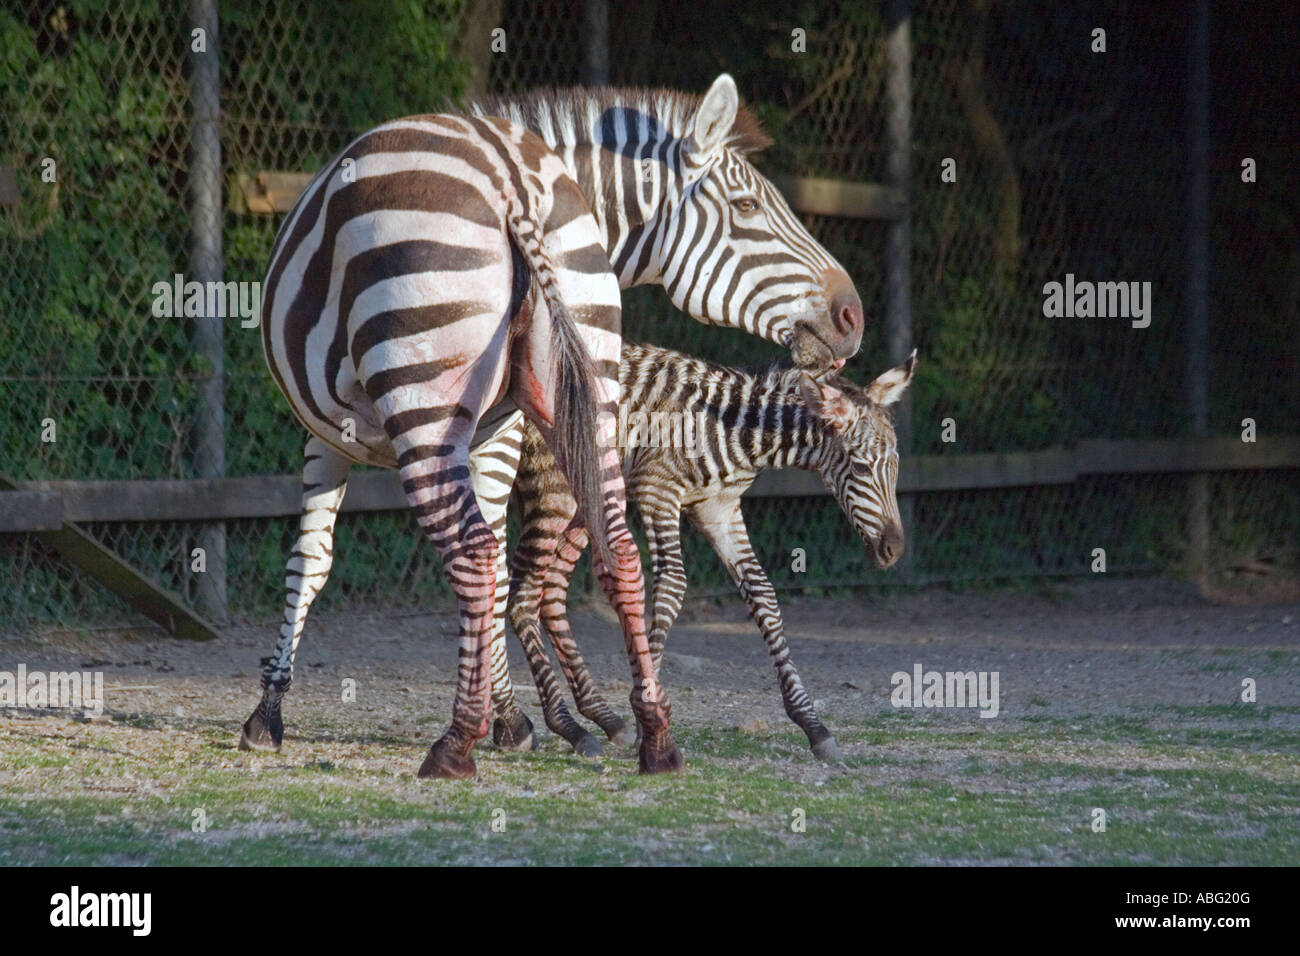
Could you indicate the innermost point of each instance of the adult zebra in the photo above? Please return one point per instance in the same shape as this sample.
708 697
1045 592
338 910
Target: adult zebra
422 278
674 201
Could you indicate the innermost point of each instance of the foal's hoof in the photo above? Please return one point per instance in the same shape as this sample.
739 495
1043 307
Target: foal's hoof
262 732
588 746
517 735
658 754
621 733
827 750
444 762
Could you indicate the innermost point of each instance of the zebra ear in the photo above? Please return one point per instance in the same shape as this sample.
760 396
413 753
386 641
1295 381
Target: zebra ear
889 387
828 404
715 116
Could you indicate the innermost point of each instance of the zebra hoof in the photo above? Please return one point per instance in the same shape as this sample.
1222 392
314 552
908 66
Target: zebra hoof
658 754
588 746
621 733
262 732
444 763
827 750
516 735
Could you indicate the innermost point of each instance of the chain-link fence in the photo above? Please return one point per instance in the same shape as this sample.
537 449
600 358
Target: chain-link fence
1066 161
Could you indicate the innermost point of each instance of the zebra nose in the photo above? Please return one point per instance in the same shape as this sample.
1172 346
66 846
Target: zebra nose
890 548
846 317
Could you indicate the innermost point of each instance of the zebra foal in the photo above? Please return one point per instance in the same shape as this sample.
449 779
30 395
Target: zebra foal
743 423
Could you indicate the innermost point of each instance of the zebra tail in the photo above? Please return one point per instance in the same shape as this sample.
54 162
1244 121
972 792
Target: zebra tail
575 399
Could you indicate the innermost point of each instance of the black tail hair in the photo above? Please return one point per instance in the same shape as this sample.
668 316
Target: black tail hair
575 398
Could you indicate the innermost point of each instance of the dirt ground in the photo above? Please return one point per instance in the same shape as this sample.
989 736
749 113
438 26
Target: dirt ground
1122 696
1111 648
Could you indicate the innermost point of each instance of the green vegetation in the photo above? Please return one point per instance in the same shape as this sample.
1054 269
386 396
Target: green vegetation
912 790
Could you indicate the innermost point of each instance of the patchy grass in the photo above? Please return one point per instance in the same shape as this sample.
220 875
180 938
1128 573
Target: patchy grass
913 789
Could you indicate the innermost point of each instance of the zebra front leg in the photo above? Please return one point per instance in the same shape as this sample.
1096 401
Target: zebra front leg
722 522
555 619
324 481
663 531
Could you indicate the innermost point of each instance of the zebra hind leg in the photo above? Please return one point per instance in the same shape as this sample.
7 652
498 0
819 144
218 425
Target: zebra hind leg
555 619
543 519
493 462
324 479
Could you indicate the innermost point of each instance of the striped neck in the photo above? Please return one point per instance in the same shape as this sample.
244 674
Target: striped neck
624 149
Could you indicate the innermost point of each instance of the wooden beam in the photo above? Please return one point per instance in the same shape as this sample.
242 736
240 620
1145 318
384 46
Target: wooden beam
1119 457
267 192
940 473
277 496
836 197
119 576
30 511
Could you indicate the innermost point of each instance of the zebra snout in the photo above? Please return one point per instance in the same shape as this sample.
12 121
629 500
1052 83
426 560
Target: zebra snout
890 547
847 317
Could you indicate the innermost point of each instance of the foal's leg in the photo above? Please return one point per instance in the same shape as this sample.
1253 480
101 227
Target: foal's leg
543 515
723 524
555 620
546 510
663 531
534 386
324 480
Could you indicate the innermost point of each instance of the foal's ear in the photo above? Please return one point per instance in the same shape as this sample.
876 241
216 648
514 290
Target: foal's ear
889 387
715 116
828 404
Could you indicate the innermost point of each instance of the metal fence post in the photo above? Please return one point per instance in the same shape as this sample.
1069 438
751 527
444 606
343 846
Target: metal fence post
205 217
595 54
1198 276
898 238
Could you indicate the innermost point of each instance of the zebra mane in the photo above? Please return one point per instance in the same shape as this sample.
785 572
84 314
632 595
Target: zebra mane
571 114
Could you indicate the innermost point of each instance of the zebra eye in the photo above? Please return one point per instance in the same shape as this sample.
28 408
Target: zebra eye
746 205
860 468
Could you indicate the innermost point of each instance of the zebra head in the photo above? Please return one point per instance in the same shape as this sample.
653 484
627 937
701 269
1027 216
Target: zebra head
731 252
859 455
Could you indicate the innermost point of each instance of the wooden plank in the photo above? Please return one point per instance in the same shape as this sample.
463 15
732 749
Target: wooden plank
213 499
267 192
994 470
270 191
1118 457
836 197
275 496
940 473
30 511
119 576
